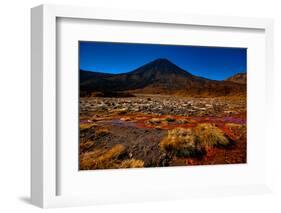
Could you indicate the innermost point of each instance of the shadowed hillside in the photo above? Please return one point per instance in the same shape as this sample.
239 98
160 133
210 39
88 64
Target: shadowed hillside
157 77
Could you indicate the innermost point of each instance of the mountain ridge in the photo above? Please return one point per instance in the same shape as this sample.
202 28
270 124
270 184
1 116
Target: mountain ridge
160 76
240 78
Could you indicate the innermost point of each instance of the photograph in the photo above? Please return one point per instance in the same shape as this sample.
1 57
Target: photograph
161 105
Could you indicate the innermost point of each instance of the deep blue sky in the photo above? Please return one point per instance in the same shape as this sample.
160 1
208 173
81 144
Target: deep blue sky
210 62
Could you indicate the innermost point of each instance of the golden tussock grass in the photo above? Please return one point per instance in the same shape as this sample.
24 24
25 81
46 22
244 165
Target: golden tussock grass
100 159
108 159
112 153
208 135
193 141
84 126
132 163
181 141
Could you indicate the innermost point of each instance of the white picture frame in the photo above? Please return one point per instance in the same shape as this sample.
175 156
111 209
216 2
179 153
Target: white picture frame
44 154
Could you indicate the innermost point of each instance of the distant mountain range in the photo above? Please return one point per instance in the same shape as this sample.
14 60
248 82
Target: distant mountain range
159 77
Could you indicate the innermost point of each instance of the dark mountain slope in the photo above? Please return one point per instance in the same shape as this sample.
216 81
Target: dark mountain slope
157 77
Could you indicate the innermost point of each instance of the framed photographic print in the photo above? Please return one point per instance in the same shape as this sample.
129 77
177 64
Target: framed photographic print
143 110
130 106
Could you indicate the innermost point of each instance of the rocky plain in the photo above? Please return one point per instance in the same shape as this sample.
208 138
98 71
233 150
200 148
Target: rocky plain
130 131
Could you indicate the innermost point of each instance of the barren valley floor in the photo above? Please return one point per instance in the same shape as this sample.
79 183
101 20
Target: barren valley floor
161 130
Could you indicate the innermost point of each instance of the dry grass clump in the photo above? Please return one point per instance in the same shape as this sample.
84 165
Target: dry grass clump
132 163
109 159
158 122
181 141
88 160
188 142
101 159
84 126
208 135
